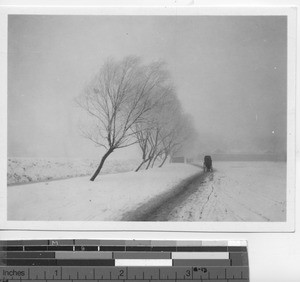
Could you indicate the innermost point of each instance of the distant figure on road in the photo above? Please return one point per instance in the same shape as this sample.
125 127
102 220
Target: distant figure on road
207 164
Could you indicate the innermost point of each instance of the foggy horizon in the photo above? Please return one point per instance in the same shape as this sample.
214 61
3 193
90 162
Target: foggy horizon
230 73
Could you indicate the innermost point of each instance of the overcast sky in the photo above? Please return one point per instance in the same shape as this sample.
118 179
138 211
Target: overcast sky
229 72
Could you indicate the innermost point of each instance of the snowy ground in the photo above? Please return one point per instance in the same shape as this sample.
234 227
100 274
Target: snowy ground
235 191
26 170
107 198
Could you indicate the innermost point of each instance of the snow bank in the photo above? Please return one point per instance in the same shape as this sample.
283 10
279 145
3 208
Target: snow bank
107 198
25 170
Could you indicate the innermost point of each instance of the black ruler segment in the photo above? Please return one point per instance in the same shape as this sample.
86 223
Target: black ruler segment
237 249
11 248
139 249
86 248
238 259
112 248
60 248
163 249
202 262
22 255
36 248
126 260
29 262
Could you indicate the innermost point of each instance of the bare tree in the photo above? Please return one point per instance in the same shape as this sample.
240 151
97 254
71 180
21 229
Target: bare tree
169 132
166 132
177 129
148 133
118 98
143 136
180 135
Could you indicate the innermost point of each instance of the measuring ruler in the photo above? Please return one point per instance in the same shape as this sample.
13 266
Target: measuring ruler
127 260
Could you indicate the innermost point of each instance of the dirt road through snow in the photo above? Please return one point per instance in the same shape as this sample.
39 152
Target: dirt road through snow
158 208
236 191
190 207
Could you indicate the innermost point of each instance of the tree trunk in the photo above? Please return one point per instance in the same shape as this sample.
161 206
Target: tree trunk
101 164
165 158
140 165
149 162
154 160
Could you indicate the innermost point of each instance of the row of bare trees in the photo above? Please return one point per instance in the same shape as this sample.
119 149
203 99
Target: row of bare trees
133 103
167 129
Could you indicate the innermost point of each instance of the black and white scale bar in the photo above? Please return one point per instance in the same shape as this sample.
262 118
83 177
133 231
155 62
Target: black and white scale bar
106 260
117 255
182 258
115 262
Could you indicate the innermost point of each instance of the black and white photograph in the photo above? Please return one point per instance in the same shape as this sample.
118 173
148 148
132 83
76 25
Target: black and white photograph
149 118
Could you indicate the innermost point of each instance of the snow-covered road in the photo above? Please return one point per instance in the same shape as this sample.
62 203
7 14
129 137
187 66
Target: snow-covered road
109 197
235 191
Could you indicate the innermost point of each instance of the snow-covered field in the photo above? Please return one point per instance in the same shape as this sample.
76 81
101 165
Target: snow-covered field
26 170
109 197
237 191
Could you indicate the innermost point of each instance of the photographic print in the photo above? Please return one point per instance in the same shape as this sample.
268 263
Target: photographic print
150 118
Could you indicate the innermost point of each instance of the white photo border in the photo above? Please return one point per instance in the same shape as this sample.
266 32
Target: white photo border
287 226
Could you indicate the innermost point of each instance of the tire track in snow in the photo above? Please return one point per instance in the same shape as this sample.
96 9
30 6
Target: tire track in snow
204 205
237 202
159 208
248 208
